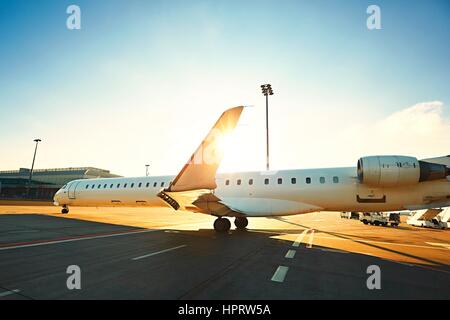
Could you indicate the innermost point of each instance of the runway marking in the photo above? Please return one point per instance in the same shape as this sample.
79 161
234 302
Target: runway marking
290 254
311 237
8 293
445 245
158 252
280 274
364 253
69 239
403 263
300 238
333 250
382 242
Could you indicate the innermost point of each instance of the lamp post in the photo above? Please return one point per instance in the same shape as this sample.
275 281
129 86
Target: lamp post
34 157
267 91
146 169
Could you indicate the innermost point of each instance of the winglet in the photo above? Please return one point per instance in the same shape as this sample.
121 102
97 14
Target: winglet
200 171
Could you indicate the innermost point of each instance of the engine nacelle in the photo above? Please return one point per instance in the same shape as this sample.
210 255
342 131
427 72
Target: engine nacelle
392 171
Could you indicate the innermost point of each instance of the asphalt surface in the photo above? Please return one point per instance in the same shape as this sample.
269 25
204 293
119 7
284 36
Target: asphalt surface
159 254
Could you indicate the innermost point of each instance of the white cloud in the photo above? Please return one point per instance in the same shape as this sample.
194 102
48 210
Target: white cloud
420 130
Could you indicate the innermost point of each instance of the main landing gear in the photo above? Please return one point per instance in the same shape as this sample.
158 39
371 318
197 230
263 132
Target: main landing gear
224 225
65 209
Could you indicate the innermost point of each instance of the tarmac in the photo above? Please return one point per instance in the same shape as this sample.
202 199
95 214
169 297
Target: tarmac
154 253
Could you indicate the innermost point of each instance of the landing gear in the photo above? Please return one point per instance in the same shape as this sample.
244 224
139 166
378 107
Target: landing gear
241 223
65 209
222 225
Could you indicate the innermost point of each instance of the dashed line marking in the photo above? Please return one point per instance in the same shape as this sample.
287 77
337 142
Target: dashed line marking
280 274
311 238
158 252
290 254
300 238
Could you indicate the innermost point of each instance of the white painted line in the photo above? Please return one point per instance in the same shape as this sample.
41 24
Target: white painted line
382 242
300 238
334 250
399 262
44 243
445 245
364 253
158 252
280 274
290 254
8 293
311 237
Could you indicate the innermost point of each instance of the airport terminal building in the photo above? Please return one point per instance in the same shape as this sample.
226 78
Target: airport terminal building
16 184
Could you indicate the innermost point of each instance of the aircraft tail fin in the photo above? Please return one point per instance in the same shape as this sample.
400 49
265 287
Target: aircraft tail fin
200 170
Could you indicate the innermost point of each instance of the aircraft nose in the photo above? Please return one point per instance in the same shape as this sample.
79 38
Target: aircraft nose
57 197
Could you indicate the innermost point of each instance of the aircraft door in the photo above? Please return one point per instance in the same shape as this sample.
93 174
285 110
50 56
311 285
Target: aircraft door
72 189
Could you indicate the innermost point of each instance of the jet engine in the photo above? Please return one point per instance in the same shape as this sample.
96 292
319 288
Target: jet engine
393 171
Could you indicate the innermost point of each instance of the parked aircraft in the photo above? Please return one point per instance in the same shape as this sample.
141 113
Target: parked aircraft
376 184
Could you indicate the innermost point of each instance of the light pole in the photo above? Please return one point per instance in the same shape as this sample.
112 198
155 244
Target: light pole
146 169
267 91
34 157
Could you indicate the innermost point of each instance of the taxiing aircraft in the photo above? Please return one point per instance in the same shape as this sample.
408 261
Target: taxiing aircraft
377 183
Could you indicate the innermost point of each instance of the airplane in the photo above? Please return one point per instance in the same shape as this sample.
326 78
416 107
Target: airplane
378 183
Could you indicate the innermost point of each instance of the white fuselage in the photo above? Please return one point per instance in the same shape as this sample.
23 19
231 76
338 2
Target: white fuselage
286 192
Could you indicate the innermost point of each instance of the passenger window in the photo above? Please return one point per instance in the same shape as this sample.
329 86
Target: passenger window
280 180
118 185
99 186
322 179
293 180
125 185
250 181
147 185
93 186
162 184
239 182
335 179
266 181
87 186
111 186
154 185
227 182
308 180
132 185
140 184
104 186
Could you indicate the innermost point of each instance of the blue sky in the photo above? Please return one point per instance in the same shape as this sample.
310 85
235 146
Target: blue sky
143 81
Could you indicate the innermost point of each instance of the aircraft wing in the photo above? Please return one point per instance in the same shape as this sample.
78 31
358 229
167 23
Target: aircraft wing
197 178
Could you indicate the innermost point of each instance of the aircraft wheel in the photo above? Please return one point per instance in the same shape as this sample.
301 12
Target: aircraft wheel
241 223
222 225
65 210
